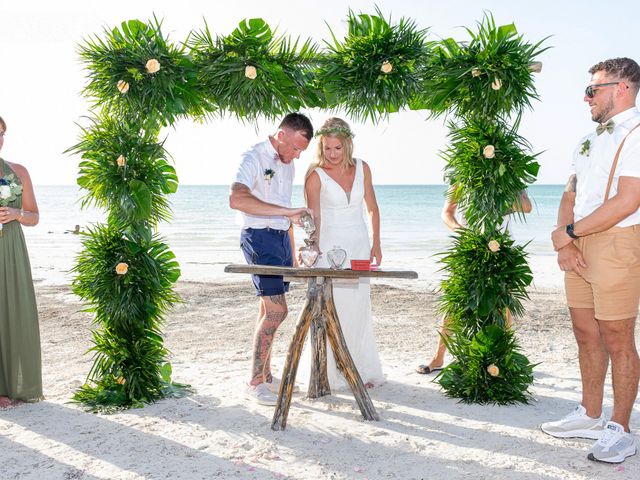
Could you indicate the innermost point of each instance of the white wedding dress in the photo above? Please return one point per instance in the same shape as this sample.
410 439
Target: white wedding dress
343 225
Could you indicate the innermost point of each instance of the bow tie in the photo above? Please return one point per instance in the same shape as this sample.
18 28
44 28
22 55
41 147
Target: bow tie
605 126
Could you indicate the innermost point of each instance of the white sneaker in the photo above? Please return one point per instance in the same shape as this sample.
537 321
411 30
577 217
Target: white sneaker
576 424
274 385
260 394
614 445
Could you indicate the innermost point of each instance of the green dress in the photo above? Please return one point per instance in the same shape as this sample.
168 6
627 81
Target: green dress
20 363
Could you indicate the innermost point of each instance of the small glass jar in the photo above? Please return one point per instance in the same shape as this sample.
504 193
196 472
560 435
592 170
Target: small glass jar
336 257
308 224
309 255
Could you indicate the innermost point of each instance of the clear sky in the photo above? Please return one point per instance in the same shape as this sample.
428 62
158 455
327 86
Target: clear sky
41 78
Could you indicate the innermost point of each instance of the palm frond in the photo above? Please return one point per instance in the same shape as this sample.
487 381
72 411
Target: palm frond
125 170
488 76
253 73
377 69
129 309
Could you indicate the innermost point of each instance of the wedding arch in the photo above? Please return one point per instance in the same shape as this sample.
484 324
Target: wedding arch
140 81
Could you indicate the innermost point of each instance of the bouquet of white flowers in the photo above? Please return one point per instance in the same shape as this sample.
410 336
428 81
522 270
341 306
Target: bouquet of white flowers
10 189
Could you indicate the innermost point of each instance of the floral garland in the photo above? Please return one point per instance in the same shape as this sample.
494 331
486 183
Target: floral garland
335 130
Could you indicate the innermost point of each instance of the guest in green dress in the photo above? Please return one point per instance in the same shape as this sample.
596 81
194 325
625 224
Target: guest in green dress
20 364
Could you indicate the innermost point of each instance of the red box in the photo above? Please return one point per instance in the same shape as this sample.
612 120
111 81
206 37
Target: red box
360 265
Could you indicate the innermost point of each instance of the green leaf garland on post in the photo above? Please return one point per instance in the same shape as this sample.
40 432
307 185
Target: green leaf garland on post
484 83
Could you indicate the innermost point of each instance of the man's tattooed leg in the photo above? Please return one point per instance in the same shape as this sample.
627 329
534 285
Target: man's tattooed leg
262 345
278 299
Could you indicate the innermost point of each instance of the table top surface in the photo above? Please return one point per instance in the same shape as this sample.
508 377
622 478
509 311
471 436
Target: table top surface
318 272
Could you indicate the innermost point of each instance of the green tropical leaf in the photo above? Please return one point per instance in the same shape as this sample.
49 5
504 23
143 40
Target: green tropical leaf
166 371
142 198
533 168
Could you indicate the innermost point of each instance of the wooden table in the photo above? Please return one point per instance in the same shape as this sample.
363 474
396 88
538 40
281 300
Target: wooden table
319 314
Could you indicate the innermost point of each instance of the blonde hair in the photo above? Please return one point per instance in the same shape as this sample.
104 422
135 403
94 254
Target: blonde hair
334 128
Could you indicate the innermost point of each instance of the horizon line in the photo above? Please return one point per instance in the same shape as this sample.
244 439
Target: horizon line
295 184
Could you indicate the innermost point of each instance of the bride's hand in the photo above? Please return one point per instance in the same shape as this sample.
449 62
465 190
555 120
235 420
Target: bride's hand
376 254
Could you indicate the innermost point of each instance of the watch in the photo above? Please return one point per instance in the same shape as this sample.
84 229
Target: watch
569 230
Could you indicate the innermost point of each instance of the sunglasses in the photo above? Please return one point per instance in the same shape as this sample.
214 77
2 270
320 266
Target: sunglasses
590 91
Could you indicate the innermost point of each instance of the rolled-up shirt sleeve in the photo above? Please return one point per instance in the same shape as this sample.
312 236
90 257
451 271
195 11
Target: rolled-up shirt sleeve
248 171
630 156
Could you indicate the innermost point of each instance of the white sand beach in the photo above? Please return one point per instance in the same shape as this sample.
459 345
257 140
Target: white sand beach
215 433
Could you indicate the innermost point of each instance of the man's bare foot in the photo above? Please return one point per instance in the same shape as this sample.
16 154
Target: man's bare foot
5 402
369 385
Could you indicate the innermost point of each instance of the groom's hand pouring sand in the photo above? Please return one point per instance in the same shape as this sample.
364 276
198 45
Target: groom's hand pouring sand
295 214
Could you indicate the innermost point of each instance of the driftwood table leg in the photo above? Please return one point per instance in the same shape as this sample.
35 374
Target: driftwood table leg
343 357
319 380
309 310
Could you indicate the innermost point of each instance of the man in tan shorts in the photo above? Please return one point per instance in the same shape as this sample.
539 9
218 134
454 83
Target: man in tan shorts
598 245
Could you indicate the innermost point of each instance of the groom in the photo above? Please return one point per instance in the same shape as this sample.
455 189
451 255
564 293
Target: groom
262 194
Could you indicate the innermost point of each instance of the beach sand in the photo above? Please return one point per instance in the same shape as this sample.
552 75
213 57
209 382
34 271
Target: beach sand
215 433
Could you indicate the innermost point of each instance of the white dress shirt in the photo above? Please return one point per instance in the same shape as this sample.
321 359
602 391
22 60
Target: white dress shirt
592 161
276 190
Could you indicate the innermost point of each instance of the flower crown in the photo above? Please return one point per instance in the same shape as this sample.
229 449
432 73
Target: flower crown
335 130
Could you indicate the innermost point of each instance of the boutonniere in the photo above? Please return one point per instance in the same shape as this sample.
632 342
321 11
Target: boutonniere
268 174
586 148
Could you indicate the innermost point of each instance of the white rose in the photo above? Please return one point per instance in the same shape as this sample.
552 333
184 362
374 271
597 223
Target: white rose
5 191
152 65
122 86
497 84
386 67
475 72
250 72
121 161
489 151
494 246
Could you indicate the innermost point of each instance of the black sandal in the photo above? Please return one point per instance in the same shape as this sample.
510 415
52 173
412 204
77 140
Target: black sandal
426 370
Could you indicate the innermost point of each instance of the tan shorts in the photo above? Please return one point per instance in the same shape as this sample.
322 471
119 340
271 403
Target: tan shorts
611 282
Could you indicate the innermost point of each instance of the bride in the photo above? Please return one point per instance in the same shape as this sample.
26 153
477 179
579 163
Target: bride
337 186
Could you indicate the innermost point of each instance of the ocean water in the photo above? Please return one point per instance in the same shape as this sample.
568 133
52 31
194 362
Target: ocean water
204 235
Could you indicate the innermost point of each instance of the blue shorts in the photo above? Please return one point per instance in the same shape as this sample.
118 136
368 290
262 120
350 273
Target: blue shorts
267 246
